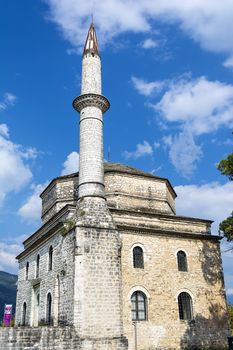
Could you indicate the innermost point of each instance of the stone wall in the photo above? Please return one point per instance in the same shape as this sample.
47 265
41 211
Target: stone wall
58 281
53 338
161 281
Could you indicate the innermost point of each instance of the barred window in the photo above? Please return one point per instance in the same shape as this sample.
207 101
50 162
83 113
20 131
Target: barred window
138 261
38 266
50 258
139 306
185 305
27 271
182 261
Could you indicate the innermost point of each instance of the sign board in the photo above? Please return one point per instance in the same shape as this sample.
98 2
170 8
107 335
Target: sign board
7 315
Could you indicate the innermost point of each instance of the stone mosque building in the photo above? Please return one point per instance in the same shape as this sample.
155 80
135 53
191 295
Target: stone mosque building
113 267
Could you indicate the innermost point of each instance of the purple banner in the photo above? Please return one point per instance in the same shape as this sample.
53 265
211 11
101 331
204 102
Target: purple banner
7 315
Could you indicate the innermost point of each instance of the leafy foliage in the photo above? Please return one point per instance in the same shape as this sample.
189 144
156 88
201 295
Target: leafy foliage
230 317
226 166
226 227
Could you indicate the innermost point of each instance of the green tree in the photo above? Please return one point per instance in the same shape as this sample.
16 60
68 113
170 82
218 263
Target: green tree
230 317
226 168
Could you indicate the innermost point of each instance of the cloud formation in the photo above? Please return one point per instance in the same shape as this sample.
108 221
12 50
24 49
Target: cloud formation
14 171
209 22
146 88
200 104
8 252
212 201
149 44
194 106
71 164
30 211
8 100
144 149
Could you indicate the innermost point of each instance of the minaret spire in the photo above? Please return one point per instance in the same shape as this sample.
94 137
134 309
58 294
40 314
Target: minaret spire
91 105
91 44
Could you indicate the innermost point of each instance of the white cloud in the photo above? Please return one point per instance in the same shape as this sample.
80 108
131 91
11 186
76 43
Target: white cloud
149 44
156 144
7 101
14 172
71 164
211 201
195 106
31 210
144 149
8 252
146 88
201 104
228 63
207 22
4 131
229 291
183 152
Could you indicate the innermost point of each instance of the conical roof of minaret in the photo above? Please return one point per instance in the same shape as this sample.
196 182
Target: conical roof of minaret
91 44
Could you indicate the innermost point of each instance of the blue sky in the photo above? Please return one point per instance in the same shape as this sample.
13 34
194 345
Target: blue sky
167 70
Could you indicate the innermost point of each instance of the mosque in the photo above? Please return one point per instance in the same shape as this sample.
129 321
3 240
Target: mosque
113 267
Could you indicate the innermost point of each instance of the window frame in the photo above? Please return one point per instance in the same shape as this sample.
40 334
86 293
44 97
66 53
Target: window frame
138 259
135 308
185 306
182 261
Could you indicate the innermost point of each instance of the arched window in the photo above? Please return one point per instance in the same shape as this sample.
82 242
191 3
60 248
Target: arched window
50 258
185 305
182 261
27 271
38 266
24 314
139 306
138 261
49 309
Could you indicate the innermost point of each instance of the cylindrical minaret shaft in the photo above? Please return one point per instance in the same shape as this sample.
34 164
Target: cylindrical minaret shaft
91 105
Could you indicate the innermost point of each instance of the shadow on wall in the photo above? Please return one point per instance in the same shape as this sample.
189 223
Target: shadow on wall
211 263
207 333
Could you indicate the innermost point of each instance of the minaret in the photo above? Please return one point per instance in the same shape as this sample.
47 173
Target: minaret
91 105
97 260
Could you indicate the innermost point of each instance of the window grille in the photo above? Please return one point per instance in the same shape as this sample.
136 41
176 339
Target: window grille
139 306
138 261
185 306
38 266
50 258
182 261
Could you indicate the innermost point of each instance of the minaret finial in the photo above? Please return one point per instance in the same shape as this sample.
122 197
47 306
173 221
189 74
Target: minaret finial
91 44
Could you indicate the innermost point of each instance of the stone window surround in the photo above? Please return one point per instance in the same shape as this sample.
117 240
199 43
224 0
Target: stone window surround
142 289
185 290
182 261
138 244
